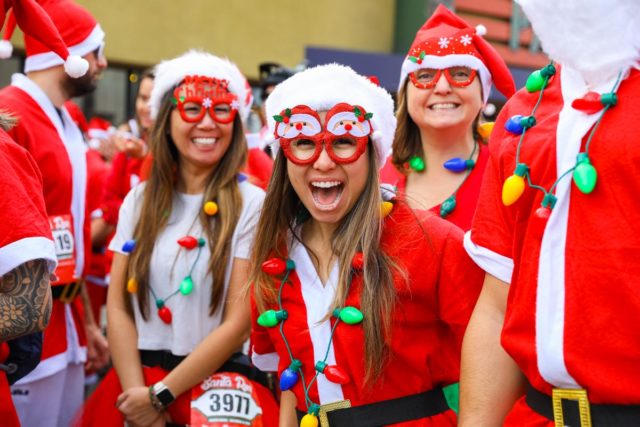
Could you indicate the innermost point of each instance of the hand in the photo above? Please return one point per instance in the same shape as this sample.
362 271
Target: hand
135 405
129 144
97 348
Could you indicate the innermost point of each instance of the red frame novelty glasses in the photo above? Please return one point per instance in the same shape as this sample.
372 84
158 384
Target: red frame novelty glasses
344 136
427 78
202 94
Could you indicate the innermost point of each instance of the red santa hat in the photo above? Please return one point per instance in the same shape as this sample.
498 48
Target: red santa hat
38 27
446 40
171 73
324 86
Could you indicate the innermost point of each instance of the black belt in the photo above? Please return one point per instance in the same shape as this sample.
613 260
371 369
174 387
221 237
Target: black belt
601 415
66 293
392 411
238 363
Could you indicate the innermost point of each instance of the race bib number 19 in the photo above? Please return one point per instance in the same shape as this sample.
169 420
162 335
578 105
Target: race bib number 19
62 230
225 399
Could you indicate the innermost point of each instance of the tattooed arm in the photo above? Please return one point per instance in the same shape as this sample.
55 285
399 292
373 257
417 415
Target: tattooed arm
25 300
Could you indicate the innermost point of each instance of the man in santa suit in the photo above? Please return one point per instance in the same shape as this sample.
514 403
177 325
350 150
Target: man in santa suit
554 337
51 393
27 257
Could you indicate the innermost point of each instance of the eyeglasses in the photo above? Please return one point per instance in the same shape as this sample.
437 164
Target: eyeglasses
345 136
99 51
426 78
221 110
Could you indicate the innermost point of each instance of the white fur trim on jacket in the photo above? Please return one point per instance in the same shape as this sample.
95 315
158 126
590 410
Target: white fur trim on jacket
324 86
171 73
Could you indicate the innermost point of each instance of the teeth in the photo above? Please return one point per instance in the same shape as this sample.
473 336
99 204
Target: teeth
205 141
443 106
326 184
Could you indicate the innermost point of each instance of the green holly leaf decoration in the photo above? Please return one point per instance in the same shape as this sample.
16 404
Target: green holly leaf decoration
368 116
357 111
287 112
277 118
422 54
413 59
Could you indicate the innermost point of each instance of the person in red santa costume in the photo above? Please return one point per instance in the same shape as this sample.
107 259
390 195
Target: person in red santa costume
46 129
439 149
360 304
176 311
557 232
27 256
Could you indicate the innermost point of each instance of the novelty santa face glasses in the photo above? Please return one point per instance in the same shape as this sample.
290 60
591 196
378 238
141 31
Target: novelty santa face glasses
198 94
344 136
427 78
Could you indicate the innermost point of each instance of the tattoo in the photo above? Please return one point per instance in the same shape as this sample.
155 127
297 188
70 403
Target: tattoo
25 300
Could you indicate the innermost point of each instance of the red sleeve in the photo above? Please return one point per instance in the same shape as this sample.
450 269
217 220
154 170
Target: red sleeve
259 167
24 226
263 353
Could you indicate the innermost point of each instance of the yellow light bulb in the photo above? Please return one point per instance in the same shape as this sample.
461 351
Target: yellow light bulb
211 208
512 189
132 286
485 130
309 420
386 208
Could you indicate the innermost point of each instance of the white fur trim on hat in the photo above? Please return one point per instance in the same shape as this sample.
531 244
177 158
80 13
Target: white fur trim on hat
324 86
442 62
171 73
6 49
42 61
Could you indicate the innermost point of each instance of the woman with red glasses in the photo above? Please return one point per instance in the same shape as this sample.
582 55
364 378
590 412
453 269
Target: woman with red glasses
177 314
359 303
439 154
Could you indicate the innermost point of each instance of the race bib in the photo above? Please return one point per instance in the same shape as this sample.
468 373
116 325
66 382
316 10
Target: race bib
62 230
225 399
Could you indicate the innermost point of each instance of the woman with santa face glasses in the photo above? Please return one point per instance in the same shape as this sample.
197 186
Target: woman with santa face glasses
358 303
439 149
176 309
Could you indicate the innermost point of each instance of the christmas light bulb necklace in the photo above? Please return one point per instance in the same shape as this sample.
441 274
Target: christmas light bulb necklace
271 318
584 174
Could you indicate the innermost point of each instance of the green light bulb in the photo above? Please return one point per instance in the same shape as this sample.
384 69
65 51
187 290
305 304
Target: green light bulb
271 318
585 175
447 206
416 163
535 82
186 286
350 315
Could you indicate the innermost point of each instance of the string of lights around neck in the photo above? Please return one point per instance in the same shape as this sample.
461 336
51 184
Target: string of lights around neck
272 318
584 173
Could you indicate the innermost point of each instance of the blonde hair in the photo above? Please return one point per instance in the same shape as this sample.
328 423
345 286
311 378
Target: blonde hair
221 186
360 230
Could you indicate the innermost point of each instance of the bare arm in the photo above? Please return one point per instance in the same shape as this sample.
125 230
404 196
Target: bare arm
223 341
25 300
121 328
288 416
490 381
100 232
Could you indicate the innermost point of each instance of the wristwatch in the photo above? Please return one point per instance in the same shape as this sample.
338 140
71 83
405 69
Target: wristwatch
161 396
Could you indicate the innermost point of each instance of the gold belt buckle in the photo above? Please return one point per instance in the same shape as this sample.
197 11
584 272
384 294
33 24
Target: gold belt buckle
69 292
322 413
579 395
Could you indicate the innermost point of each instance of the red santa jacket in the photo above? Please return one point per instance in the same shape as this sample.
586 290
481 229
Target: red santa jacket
571 318
428 322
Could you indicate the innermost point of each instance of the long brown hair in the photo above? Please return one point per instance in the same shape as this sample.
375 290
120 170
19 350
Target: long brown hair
359 230
222 186
407 141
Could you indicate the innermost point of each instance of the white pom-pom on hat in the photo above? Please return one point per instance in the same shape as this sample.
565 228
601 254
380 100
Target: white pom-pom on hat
481 30
76 66
6 49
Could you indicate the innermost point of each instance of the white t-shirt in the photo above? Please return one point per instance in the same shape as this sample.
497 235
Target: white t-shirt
170 264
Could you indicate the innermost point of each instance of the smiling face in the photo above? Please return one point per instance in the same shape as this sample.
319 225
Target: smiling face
202 143
328 189
445 105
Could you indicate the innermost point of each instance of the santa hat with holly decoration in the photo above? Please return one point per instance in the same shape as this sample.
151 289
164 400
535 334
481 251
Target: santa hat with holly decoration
172 73
446 40
41 35
324 86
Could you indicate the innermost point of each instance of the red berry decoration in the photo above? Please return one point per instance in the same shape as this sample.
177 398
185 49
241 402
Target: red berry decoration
285 119
188 242
419 61
361 118
336 375
165 315
590 103
357 263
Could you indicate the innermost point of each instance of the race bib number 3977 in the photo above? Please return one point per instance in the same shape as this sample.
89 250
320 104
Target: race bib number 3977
225 399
